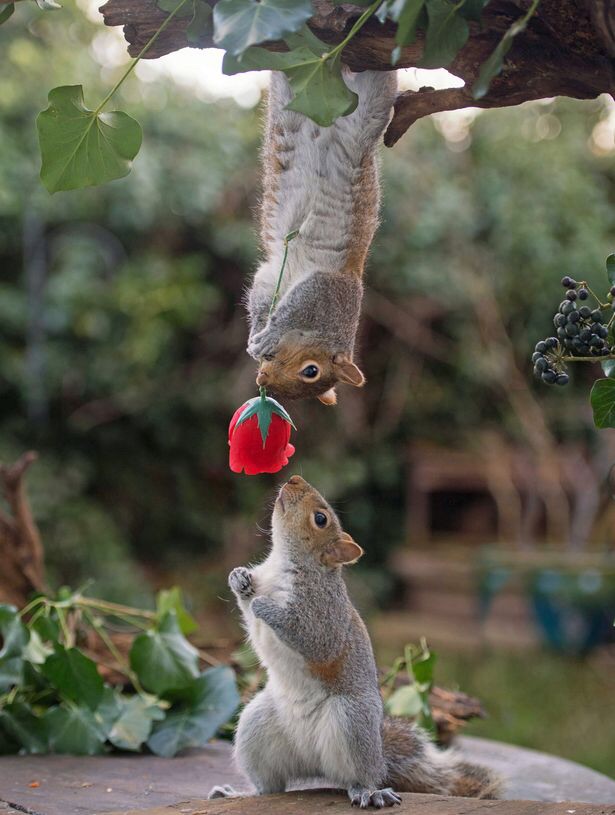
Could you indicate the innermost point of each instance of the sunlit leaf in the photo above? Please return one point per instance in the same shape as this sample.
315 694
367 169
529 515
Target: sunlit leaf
74 730
172 600
238 24
163 659
134 724
447 33
80 148
603 402
404 701
205 706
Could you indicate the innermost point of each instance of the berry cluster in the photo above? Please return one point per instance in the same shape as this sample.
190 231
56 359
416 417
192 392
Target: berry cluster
580 332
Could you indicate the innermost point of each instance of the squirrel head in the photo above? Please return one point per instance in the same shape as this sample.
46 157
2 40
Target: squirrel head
300 370
305 522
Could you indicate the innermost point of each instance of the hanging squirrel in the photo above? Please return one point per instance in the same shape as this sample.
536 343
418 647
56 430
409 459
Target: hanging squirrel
320 714
322 183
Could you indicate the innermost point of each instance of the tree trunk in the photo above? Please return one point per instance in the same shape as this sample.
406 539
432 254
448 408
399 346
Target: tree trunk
21 551
566 50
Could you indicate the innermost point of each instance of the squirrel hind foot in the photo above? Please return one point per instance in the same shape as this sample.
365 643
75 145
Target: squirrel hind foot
224 791
476 781
363 798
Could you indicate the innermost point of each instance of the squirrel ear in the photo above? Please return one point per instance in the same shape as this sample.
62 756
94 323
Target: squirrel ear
343 552
347 371
328 397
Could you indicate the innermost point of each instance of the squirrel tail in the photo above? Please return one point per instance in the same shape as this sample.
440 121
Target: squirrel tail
415 764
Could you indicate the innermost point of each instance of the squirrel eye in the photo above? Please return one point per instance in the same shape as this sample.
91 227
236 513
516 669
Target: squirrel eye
310 371
320 519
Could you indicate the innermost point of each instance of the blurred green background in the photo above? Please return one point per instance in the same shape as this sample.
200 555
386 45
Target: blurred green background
122 357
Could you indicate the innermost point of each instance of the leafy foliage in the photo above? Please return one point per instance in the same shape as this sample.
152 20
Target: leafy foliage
411 698
242 23
53 698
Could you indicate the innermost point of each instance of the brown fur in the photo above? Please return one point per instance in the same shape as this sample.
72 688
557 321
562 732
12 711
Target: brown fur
364 217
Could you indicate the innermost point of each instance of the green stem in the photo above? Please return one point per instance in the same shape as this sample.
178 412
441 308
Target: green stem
587 359
134 62
276 293
356 27
124 667
26 609
114 609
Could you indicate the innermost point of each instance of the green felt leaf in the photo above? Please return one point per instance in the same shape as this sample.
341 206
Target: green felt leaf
205 706
171 599
494 64
74 730
15 637
404 701
447 33
80 148
201 24
163 659
610 269
74 676
20 723
134 724
602 399
7 12
238 24
608 366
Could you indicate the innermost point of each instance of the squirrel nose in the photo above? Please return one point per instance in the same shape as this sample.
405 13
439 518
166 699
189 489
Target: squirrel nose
296 480
262 378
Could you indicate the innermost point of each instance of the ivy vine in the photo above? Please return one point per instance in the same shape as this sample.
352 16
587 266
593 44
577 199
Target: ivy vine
83 147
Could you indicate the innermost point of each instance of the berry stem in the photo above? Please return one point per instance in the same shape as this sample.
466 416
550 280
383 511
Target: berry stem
587 359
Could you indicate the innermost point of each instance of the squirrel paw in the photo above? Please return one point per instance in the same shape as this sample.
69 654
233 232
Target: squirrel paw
364 798
240 581
225 791
261 344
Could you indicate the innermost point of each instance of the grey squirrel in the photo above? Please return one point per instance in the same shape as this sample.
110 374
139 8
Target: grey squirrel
321 182
320 714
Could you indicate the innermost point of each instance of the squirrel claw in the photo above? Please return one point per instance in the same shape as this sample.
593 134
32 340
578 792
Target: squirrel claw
224 791
378 799
240 581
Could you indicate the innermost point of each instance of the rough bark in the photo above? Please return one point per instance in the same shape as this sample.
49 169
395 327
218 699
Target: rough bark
566 50
21 551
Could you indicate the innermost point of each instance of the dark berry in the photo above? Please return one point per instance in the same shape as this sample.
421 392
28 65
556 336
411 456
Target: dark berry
585 312
536 355
596 315
583 348
551 342
596 342
562 379
541 365
604 352
561 333
602 331
574 317
585 334
549 377
572 329
568 282
567 307
541 346
571 295
583 294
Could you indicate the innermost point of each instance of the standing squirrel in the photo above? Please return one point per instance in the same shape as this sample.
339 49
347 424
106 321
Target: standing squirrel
320 714
322 183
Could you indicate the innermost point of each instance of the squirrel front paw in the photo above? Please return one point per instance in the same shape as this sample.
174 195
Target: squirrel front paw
363 798
240 582
262 343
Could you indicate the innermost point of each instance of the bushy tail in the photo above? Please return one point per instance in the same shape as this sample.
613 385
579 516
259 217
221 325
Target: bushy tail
415 764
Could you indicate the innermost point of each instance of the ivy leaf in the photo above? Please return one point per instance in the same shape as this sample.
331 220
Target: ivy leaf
602 399
36 652
406 13
608 366
15 637
494 64
201 23
205 706
447 33
7 12
81 147
610 269
163 659
74 730
472 9
171 599
29 731
74 675
134 724
170 5
238 24
404 701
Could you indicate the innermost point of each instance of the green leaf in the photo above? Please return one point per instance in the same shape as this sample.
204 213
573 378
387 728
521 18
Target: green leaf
404 701
406 13
15 637
422 668
472 9
238 24
134 724
172 600
81 147
74 730
494 64
74 676
7 12
208 704
447 33
170 5
23 726
163 659
36 652
48 5
201 24
610 269
608 366
602 399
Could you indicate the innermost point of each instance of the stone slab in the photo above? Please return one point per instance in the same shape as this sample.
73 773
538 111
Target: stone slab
69 785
